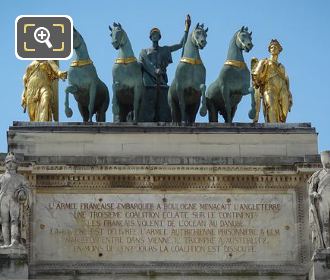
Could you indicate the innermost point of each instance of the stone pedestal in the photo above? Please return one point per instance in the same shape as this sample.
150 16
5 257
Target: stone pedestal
13 264
321 265
148 201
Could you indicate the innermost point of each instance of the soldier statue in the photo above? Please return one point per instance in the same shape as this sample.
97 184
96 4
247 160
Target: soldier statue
154 62
14 195
272 85
319 193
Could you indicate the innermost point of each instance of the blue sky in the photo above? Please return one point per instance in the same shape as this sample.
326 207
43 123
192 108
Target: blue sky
302 27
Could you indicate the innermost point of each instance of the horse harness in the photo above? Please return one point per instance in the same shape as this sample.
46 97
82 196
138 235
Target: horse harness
193 61
80 63
236 63
125 60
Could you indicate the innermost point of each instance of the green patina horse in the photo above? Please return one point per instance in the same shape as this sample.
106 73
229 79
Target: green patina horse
127 78
188 86
89 91
224 94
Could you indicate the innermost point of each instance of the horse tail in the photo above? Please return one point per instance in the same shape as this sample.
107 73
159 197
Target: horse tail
203 109
68 110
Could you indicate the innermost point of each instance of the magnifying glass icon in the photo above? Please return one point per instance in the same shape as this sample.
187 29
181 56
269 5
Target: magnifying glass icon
41 35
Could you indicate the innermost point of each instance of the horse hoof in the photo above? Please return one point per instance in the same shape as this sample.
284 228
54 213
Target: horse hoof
252 114
203 112
68 112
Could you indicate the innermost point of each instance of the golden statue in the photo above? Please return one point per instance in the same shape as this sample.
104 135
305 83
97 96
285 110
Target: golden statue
272 85
38 95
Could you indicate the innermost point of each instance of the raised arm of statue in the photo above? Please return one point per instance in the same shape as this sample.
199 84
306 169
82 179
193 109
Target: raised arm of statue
56 71
183 41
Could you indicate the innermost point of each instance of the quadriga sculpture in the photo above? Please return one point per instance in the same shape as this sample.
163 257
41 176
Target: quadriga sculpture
188 86
224 94
90 92
127 77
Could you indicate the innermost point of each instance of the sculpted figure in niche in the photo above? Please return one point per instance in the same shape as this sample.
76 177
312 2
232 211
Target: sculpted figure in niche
15 196
319 193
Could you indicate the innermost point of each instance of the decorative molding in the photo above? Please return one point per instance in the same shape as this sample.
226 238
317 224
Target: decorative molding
186 268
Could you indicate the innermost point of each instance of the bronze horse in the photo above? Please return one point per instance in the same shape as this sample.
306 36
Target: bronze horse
224 94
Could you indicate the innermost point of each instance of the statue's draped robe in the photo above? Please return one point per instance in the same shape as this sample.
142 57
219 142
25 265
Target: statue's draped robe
269 76
320 208
38 93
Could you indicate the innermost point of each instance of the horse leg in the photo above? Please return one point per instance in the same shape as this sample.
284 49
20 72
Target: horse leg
124 113
255 104
182 104
193 112
172 104
92 95
84 112
101 113
115 105
203 110
226 97
176 116
213 113
104 94
233 110
175 110
138 93
73 90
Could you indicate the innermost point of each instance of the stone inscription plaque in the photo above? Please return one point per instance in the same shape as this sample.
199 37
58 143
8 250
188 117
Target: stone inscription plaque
166 227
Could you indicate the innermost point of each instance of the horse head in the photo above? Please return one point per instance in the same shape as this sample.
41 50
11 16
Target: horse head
199 36
244 39
77 38
118 35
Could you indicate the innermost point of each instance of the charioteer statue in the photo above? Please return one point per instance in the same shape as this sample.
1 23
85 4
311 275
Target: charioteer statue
154 61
